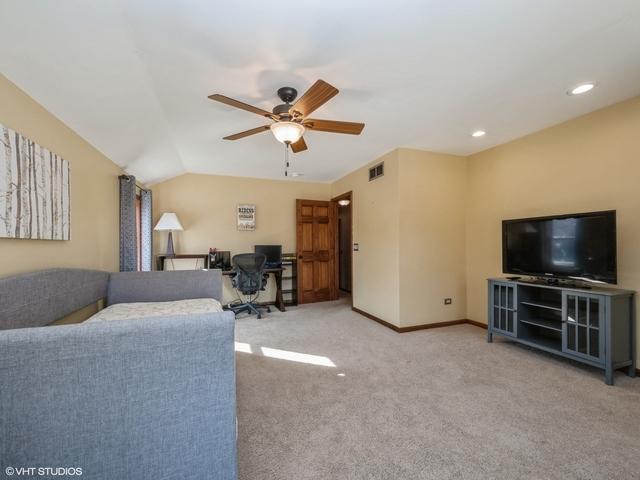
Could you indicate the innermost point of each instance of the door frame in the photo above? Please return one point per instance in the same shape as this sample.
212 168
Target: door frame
347 195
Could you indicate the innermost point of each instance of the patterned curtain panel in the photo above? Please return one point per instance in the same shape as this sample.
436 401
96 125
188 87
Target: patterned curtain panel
128 240
146 229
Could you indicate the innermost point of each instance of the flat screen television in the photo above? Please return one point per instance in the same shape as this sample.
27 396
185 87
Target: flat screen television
579 246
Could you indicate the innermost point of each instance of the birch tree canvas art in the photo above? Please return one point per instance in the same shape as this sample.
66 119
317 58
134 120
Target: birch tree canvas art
34 190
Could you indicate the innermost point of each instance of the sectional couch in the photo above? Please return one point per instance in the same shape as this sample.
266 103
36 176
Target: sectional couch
140 399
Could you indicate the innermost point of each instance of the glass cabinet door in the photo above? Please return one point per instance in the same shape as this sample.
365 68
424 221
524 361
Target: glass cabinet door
582 318
503 314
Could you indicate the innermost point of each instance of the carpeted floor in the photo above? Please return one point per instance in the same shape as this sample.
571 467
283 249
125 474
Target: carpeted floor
431 404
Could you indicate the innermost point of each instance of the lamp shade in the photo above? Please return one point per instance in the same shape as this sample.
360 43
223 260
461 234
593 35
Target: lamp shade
287 132
168 221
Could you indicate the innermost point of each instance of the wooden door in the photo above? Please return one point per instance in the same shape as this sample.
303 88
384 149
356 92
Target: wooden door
315 248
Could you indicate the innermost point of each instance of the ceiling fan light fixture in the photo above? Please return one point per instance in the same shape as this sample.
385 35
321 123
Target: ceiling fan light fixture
287 132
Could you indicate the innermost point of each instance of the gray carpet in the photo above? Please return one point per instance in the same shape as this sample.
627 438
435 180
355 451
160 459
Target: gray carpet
431 404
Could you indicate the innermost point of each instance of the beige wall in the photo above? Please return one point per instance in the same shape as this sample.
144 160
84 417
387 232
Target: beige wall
94 194
432 237
376 284
410 227
429 229
589 163
206 207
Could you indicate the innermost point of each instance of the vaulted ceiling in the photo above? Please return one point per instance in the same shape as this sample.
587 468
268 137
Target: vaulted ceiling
132 77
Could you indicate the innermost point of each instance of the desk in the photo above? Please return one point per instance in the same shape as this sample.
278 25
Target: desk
161 258
277 273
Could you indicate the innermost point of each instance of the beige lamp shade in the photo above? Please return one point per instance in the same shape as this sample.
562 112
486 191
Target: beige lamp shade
168 221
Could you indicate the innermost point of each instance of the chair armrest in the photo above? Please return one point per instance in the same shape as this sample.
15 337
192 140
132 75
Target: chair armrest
233 276
143 399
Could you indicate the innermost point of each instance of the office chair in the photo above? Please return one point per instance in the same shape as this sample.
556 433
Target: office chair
249 279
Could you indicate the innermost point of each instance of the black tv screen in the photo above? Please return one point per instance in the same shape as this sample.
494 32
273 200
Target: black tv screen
580 246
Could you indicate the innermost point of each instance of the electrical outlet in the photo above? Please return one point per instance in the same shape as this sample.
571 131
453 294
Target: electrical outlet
356 247
447 301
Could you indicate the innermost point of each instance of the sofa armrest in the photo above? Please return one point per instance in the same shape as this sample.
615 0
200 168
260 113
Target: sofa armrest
145 399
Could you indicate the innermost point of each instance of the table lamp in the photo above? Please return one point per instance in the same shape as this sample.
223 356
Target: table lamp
169 222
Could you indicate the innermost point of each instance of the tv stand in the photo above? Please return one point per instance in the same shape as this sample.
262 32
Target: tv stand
595 327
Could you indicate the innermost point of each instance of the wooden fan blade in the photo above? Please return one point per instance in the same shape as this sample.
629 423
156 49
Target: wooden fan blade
318 94
333 126
246 133
243 106
299 146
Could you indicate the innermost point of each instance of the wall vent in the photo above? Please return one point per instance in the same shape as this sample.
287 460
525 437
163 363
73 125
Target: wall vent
376 171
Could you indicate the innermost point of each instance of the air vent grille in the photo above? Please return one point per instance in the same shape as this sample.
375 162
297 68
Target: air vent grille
376 171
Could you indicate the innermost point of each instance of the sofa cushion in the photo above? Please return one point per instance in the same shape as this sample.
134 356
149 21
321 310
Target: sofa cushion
126 311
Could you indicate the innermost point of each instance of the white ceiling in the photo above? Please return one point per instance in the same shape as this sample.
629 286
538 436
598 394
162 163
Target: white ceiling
132 77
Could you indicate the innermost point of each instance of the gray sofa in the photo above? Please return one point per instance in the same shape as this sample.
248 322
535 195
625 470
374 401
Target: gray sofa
130 399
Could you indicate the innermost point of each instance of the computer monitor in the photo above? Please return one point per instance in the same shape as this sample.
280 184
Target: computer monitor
272 252
220 259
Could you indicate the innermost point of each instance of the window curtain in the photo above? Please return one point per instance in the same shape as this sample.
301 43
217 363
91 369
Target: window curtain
146 229
129 227
128 240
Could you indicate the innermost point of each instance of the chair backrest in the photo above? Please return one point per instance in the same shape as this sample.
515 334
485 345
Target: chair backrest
249 272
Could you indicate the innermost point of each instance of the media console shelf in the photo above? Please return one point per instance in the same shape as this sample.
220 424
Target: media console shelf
595 326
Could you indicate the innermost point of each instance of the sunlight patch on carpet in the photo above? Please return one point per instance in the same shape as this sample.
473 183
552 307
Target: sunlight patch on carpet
243 347
297 357
287 355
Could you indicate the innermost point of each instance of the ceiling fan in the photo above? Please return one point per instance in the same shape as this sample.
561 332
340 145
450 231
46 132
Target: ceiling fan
291 121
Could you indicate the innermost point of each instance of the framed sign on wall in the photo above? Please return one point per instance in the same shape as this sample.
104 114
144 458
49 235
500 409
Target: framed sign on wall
246 217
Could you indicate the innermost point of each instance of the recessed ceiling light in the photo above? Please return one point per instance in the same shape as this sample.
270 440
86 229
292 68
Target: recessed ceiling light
296 174
582 88
479 133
